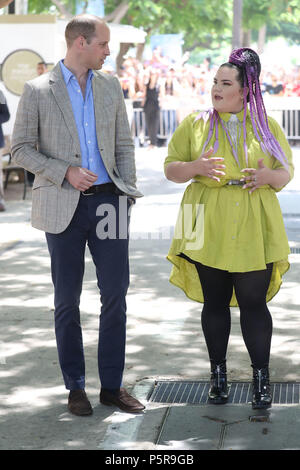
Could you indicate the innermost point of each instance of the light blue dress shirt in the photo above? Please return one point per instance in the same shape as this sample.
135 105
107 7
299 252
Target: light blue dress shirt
84 115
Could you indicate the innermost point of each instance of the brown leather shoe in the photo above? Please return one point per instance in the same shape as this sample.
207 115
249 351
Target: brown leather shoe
78 403
122 400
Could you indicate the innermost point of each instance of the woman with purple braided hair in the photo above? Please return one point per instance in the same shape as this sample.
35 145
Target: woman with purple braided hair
230 246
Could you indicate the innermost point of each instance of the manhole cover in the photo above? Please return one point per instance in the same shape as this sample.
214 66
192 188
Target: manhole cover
240 392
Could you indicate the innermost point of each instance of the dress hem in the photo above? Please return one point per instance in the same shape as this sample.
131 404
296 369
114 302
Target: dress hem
274 286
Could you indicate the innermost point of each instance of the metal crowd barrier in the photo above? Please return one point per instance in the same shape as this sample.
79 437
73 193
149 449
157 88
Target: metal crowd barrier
289 119
291 123
167 125
139 126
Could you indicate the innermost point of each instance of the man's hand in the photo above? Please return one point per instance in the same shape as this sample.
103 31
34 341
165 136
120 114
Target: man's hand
80 178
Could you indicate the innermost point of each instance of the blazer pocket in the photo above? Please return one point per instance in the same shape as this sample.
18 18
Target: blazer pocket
42 184
116 172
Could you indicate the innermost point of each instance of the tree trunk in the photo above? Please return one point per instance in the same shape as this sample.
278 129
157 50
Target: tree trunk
140 51
237 23
85 6
4 3
62 9
262 33
12 8
247 38
21 7
124 48
119 13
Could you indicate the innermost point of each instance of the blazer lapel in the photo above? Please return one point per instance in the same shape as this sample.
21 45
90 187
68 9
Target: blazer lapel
103 113
60 92
98 95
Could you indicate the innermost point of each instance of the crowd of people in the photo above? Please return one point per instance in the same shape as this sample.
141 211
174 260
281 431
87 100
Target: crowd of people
183 85
178 89
282 82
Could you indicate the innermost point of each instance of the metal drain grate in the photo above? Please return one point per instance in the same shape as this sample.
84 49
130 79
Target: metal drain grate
240 392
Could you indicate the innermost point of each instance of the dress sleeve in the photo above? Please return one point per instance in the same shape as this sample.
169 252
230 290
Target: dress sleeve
179 148
282 140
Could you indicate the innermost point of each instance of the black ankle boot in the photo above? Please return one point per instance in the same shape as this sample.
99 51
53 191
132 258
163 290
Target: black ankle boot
218 392
262 397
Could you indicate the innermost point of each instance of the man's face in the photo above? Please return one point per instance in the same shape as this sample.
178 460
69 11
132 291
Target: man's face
95 53
40 69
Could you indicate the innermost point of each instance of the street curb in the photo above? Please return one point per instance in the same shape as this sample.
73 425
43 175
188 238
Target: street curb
123 429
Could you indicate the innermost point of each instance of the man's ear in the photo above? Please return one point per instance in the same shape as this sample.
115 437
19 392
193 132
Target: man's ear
80 41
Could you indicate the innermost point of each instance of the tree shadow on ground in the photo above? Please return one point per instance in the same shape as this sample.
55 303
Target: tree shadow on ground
164 337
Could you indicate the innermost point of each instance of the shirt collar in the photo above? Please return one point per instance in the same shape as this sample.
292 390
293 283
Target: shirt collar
226 116
67 74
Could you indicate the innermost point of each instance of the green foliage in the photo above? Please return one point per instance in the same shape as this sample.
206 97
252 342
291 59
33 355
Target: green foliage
256 13
209 23
288 30
282 18
292 13
200 21
203 24
47 6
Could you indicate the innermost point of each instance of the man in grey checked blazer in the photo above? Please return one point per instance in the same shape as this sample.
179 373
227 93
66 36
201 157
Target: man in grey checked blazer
50 140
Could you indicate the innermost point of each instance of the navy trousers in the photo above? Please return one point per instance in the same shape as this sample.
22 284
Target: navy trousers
100 221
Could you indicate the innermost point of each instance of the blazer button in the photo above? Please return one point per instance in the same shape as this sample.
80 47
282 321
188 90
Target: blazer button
77 155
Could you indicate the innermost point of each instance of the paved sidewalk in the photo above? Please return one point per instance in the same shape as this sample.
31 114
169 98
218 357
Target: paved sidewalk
164 341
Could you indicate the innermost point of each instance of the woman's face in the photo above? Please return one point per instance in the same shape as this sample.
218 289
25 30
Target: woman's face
227 93
153 75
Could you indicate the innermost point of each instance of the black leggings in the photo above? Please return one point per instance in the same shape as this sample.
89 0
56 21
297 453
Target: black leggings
256 321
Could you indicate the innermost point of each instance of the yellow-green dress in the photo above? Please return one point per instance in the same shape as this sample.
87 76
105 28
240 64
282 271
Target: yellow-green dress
224 226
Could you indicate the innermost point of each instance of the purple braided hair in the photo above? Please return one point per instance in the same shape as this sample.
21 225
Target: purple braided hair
248 63
247 60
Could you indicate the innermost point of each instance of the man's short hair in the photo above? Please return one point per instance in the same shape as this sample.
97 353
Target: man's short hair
81 25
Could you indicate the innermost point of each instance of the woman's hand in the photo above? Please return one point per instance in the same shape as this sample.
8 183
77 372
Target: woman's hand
181 172
263 175
209 167
257 176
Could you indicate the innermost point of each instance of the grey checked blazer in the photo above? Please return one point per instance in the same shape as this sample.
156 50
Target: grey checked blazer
45 142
